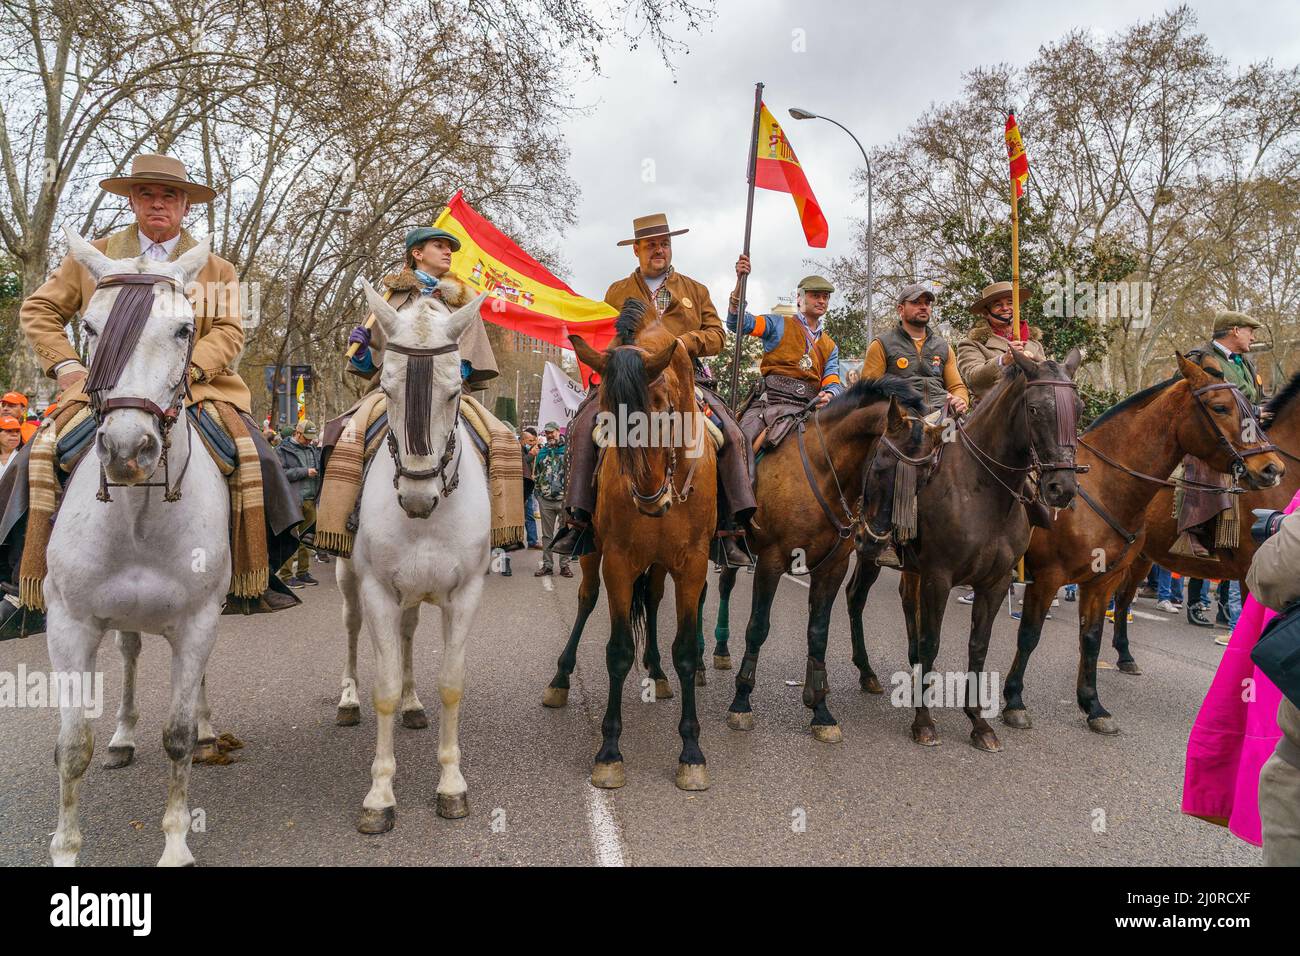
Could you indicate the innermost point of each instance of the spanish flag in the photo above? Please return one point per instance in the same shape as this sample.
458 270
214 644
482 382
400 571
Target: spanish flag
778 168
1016 154
524 296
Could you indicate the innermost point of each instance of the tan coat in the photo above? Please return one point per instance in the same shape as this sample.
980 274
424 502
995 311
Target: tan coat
979 353
690 314
45 314
451 295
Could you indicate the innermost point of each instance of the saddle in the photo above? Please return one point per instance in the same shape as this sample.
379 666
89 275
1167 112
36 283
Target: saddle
1206 519
773 409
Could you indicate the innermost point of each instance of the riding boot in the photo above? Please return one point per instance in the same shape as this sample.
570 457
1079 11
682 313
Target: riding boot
730 550
575 540
888 556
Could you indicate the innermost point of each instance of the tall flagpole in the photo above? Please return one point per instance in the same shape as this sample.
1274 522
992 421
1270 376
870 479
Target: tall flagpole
1015 255
749 222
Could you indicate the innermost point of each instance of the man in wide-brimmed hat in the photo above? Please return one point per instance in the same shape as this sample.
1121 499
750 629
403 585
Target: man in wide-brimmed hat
160 193
684 307
986 349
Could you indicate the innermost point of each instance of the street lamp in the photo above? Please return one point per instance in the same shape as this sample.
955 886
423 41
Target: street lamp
801 114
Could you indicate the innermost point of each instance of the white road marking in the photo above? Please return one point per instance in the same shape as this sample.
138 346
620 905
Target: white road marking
1148 616
800 580
606 838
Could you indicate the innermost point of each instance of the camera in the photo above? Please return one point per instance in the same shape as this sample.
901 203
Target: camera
1266 524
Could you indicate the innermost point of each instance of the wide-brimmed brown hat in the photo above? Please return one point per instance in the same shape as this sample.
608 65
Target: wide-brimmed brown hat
161 170
994 292
651 227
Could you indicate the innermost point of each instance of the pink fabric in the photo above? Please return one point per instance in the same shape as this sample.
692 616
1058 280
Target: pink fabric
1232 737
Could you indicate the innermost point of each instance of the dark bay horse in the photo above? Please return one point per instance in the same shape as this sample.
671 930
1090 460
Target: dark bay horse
655 505
1232 564
972 526
1131 449
805 487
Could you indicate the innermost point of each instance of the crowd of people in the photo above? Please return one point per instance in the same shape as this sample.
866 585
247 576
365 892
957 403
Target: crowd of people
299 450
18 423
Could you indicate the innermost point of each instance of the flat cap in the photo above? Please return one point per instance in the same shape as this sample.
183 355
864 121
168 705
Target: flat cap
425 233
815 284
913 292
1232 320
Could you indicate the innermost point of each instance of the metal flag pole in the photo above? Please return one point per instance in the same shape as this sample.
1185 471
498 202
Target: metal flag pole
749 222
1015 253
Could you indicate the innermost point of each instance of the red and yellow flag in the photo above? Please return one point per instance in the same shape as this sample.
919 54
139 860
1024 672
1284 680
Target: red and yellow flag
524 296
778 168
1016 154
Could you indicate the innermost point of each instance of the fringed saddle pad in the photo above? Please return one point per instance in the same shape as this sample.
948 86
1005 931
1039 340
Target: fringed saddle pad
505 466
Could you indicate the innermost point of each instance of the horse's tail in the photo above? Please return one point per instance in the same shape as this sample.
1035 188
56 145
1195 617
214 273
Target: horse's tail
636 614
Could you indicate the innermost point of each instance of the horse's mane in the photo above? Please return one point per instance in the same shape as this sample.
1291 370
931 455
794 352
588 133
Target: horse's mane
631 319
1278 403
867 390
1133 401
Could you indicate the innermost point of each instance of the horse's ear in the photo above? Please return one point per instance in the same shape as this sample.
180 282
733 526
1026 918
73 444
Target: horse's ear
587 355
1073 361
1194 374
384 313
896 419
95 262
460 319
191 263
656 364
1024 363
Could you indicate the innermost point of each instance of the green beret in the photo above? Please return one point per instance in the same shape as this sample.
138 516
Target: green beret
425 233
815 284
1223 321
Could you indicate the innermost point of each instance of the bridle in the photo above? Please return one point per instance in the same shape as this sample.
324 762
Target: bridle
122 331
417 426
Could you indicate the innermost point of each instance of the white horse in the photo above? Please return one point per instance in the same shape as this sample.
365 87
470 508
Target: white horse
427 542
148 559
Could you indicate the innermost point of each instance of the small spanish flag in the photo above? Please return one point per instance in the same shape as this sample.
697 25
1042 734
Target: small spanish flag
778 168
1016 154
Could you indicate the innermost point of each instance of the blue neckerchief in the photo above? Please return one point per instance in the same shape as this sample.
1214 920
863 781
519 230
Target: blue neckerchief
427 282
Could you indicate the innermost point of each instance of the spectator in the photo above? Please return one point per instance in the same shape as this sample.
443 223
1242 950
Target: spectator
1169 590
14 404
531 446
301 461
11 440
548 475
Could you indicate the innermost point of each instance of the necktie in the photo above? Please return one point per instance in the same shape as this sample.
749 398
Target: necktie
156 252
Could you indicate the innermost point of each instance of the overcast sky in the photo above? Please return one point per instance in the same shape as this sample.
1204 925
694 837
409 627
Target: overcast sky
872 66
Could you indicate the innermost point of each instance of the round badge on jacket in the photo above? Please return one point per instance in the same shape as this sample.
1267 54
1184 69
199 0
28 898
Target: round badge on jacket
687 302
902 362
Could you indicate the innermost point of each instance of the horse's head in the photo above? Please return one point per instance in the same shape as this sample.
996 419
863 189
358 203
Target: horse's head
139 328
420 379
908 442
647 407
1052 410
1221 429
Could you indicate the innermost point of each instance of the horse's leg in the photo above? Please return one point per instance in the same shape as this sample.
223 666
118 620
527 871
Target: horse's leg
1093 598
740 715
414 716
619 654
1128 587
384 616
121 749
457 615
190 651
349 711
983 612
557 692
689 582
864 576
821 598
72 646
1033 612
930 594
700 670
650 657
722 629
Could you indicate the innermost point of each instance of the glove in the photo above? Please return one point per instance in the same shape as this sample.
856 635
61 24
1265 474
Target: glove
361 336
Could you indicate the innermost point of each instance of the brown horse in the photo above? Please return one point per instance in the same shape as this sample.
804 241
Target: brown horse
972 528
1130 450
647 388
1232 564
804 523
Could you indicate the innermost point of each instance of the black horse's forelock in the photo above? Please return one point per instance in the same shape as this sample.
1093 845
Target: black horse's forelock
1285 397
624 393
629 322
866 390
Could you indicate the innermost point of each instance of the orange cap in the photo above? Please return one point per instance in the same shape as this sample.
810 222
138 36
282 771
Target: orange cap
14 398
9 423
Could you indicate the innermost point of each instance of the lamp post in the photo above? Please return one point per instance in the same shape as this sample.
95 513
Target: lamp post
802 114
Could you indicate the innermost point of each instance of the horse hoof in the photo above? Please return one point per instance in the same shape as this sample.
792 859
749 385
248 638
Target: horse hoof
119 757
737 721
699 677
608 776
663 689
871 684
349 715
555 697
377 821
926 736
827 733
722 662
1018 719
692 776
452 806
1107 725
1129 667
985 740
415 719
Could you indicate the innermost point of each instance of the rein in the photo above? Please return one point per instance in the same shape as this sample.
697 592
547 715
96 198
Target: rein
126 320
419 402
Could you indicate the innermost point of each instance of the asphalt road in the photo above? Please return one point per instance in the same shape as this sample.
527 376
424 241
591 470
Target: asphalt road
294 792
